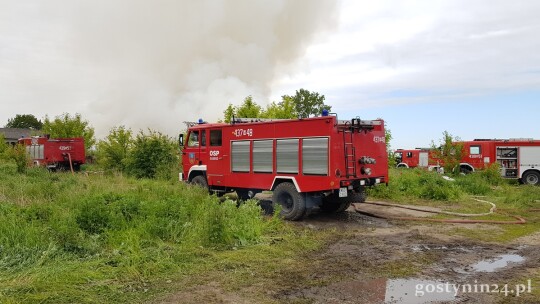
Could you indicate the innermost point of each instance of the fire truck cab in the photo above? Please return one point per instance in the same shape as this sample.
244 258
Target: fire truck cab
307 163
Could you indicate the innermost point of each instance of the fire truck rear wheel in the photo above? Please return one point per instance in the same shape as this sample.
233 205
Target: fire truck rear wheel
293 205
531 178
200 181
358 197
243 195
335 204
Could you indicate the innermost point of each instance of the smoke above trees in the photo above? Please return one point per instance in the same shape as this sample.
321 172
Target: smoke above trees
151 64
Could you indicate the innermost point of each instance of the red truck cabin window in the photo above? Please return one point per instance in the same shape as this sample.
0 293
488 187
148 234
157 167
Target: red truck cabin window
475 150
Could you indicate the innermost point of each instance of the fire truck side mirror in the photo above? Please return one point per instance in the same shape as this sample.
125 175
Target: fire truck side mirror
181 140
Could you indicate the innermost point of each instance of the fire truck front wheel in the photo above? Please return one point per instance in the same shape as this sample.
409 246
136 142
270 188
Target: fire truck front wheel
531 178
200 181
293 205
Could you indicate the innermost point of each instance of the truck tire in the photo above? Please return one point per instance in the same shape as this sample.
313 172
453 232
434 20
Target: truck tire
200 181
465 170
531 178
243 195
358 196
293 205
335 204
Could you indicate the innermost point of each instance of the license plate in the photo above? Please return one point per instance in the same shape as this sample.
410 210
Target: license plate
343 192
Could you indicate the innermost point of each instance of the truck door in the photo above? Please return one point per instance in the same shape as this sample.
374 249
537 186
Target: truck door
194 150
423 159
217 157
529 159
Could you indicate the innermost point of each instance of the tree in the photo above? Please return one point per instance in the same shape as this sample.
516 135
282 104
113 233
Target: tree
229 113
24 121
308 103
114 150
65 125
283 110
391 155
248 109
153 155
303 104
449 151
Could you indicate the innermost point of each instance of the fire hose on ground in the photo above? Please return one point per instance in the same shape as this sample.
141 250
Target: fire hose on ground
493 209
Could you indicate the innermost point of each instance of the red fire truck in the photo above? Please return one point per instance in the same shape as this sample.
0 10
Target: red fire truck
307 163
419 157
55 154
518 158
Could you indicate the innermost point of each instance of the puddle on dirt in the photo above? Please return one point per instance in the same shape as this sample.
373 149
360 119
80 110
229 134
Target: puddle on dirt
426 247
415 291
498 262
445 248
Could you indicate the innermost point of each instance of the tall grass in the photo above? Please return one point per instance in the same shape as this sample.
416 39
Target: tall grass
407 184
80 238
417 184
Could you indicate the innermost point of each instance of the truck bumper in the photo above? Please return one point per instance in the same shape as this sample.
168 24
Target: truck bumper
367 181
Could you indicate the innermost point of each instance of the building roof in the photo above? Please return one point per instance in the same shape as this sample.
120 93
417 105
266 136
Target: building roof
13 134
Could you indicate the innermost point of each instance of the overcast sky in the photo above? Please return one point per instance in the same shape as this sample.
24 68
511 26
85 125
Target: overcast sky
469 67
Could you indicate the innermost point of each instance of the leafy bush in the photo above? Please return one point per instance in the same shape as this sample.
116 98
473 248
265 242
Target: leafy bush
18 155
153 155
407 184
492 174
112 153
450 151
13 154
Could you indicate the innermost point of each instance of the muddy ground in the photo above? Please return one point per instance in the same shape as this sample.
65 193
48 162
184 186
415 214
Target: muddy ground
380 261
433 256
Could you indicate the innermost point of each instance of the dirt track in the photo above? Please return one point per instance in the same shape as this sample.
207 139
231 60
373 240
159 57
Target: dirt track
377 261
434 257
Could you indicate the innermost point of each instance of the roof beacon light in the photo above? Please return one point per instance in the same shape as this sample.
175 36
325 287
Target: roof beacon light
324 112
201 121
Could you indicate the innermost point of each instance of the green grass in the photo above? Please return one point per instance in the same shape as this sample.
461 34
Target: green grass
419 187
111 239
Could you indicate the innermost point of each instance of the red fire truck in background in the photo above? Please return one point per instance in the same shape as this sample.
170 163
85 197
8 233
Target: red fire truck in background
307 163
419 157
55 154
518 158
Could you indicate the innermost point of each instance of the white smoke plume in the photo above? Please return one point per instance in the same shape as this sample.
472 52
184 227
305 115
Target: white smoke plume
149 64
